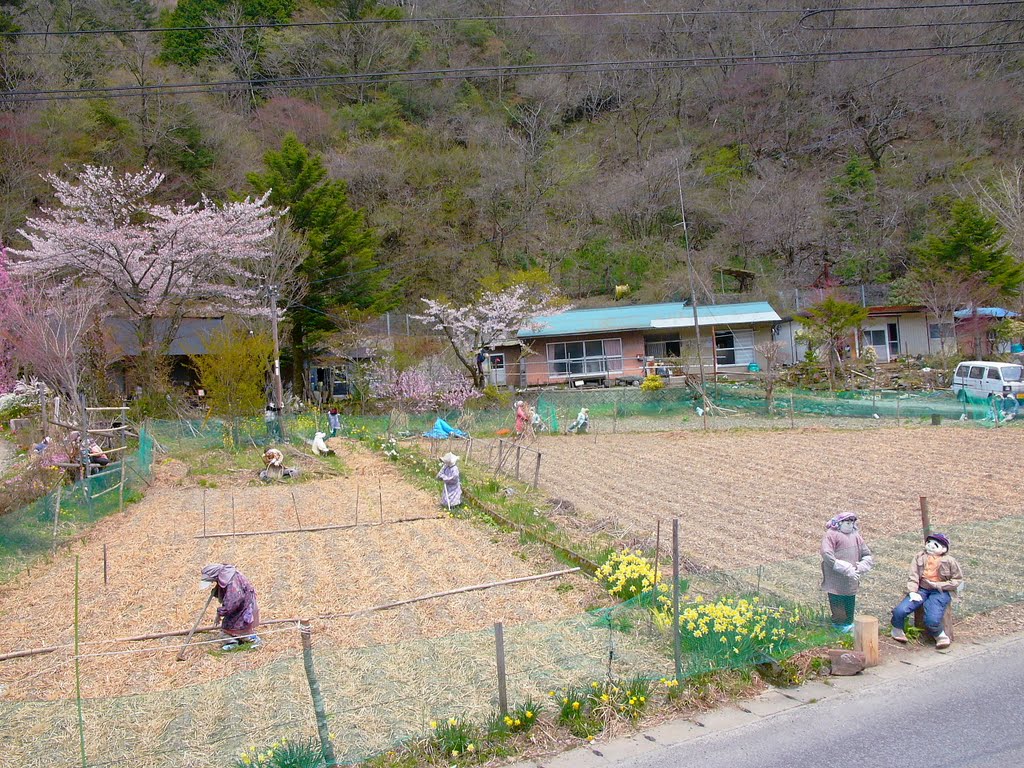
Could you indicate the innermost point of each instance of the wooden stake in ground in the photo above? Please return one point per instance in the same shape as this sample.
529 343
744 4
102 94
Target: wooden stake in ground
104 565
499 653
865 639
677 648
295 506
306 633
657 555
926 525
380 498
357 503
204 511
56 515
199 618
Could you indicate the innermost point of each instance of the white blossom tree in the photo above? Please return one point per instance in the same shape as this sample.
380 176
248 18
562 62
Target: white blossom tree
496 317
151 261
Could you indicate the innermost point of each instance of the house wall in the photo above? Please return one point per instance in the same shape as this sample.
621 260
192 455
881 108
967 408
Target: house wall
534 366
688 361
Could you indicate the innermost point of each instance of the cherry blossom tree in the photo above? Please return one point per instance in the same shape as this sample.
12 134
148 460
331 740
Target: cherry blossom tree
420 389
496 317
8 369
151 261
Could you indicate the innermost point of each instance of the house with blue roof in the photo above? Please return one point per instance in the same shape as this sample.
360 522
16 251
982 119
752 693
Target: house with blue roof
628 342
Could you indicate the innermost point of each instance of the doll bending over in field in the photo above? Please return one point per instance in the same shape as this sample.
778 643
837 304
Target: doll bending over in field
238 614
933 578
844 559
451 491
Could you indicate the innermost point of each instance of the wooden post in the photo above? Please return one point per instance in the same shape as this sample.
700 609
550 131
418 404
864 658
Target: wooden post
791 424
499 651
897 407
501 449
469 451
926 525
42 408
120 492
380 499
865 639
536 472
677 649
519 455
357 503
104 565
295 507
204 511
657 555
56 515
232 513
306 633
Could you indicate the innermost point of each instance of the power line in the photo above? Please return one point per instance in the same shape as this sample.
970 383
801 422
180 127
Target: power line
886 8
415 20
491 71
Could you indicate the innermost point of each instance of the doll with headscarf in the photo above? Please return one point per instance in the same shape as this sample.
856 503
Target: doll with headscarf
933 578
238 614
451 491
844 559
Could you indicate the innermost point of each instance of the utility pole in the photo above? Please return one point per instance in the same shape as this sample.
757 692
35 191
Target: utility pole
693 302
278 389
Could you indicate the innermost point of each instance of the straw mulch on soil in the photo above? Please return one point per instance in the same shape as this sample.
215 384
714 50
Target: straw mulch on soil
155 559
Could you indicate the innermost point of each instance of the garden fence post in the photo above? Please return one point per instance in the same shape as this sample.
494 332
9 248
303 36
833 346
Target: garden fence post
536 472
204 511
306 633
78 678
469 451
677 650
104 565
120 493
42 408
380 500
519 455
897 408
499 652
56 515
926 525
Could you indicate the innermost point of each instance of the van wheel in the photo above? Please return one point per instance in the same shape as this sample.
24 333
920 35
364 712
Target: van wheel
961 396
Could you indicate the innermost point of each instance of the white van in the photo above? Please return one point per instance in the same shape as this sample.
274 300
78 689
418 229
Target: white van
978 379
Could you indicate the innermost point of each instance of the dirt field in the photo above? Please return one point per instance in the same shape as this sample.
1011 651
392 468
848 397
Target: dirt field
155 557
751 497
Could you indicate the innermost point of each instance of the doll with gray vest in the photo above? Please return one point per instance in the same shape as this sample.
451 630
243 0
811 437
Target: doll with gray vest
845 558
934 576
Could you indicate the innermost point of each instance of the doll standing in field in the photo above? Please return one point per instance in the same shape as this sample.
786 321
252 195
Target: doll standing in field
844 559
451 491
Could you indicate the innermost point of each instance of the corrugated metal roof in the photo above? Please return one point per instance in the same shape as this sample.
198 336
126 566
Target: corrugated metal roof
189 340
999 312
647 317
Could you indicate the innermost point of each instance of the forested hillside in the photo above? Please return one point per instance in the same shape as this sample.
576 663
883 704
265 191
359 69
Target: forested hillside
510 134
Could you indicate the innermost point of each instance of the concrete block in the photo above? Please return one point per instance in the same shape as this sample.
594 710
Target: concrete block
768 703
724 719
808 692
624 748
675 732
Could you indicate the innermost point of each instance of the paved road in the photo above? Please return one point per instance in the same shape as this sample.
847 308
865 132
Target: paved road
968 713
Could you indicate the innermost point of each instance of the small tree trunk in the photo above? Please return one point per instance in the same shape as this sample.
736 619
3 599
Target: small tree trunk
298 338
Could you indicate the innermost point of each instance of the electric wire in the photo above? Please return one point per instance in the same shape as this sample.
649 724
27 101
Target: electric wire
492 71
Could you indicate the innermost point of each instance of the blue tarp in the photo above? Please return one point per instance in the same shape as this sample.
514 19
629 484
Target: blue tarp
443 430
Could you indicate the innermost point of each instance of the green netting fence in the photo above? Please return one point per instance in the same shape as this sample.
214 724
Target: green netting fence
37 529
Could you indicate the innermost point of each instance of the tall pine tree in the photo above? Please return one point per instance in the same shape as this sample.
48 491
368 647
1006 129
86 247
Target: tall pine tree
343 277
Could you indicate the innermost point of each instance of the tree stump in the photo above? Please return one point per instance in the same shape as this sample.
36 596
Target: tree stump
865 639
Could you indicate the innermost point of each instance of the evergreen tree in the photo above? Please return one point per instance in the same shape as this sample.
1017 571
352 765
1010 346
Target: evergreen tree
341 270
829 325
972 245
189 46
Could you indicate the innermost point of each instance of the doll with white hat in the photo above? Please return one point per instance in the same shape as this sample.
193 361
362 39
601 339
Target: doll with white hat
451 491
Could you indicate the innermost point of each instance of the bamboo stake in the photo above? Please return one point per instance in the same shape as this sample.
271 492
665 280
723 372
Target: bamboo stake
357 503
232 514
199 618
104 565
380 498
499 653
353 614
313 528
120 494
295 506
306 633
204 511
78 678
677 650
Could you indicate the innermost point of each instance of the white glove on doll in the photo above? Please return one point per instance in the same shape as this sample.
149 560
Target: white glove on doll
915 597
865 565
846 569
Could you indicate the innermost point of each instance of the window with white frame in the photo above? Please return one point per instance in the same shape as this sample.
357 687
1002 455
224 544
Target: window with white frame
584 358
734 347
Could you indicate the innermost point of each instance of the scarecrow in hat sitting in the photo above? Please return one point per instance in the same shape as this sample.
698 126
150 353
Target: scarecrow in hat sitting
933 578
